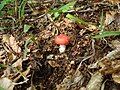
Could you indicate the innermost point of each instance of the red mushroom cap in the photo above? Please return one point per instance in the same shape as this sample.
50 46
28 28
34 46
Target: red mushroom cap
62 39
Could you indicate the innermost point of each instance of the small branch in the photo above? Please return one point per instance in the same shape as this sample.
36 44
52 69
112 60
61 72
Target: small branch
86 57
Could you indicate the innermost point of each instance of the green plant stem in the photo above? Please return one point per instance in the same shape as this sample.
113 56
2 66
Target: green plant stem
16 8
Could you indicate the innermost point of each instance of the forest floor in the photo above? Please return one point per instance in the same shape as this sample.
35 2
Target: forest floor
30 59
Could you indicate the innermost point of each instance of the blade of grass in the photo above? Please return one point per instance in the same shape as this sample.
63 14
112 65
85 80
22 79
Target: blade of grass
67 7
76 19
107 33
21 8
101 26
56 12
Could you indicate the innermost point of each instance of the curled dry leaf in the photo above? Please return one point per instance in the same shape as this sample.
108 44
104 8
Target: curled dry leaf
11 42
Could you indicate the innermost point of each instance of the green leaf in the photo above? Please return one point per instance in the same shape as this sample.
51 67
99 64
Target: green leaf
1 6
4 2
26 28
76 19
67 7
1 88
56 14
101 26
63 9
107 33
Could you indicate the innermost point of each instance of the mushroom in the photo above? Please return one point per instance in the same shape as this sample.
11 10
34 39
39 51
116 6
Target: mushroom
62 40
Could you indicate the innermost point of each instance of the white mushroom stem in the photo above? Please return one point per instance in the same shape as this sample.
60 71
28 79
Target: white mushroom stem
62 48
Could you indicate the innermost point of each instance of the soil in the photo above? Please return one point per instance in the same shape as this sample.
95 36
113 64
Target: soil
48 67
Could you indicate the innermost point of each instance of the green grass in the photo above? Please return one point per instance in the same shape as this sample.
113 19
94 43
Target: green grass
103 33
56 12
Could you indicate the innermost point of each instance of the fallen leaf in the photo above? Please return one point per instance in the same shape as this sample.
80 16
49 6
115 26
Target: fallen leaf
70 81
14 45
92 27
31 88
11 42
109 17
26 28
18 63
53 64
2 52
95 82
114 1
6 83
116 77
115 44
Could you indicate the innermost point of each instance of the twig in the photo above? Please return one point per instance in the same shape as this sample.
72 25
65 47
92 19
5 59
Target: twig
86 57
110 56
25 81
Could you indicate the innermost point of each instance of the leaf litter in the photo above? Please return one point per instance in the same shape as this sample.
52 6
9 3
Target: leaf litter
30 60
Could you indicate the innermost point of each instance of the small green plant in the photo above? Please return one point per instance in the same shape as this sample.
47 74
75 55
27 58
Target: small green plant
3 4
76 19
26 28
57 12
22 9
107 34
104 33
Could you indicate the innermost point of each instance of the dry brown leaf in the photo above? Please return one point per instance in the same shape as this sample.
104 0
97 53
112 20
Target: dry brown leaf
109 17
115 44
18 63
95 82
83 88
6 83
53 64
11 42
1 55
24 74
14 45
116 77
92 27
31 88
70 82
114 1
